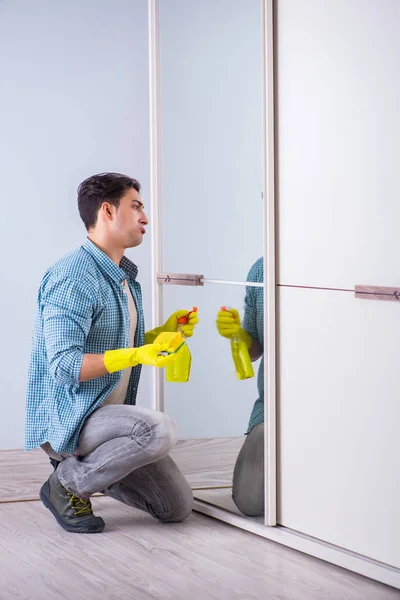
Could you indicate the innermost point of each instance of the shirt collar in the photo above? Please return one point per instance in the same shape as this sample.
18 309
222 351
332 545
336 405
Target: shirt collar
117 273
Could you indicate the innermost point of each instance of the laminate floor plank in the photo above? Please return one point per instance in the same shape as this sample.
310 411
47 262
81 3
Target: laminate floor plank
22 474
137 558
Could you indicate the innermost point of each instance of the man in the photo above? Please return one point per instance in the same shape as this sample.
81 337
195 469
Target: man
248 475
88 348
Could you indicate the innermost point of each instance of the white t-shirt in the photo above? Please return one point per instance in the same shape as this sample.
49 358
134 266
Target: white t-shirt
119 394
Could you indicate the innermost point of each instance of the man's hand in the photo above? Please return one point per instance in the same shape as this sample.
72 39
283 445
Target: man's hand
229 326
149 354
184 320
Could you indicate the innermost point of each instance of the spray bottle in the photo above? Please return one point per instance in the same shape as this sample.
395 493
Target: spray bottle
241 356
179 372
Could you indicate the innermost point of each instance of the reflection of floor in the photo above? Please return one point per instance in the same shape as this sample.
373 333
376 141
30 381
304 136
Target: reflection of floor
206 463
223 499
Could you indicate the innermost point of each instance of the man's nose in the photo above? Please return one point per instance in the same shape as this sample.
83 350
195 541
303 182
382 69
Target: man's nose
144 220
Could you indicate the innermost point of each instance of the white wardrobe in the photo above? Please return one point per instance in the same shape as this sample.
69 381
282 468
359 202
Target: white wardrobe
338 214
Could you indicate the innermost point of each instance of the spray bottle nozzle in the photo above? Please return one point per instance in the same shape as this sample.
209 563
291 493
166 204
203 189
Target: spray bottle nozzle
184 320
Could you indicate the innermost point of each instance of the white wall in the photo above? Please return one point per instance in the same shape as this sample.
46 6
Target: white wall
73 102
212 181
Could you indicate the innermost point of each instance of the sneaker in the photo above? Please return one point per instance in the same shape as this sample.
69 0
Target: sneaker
74 514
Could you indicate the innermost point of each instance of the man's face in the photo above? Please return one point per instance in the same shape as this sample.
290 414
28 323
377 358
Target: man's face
129 220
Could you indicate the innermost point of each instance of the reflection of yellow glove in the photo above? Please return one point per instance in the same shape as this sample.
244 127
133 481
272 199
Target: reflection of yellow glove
228 325
117 360
184 320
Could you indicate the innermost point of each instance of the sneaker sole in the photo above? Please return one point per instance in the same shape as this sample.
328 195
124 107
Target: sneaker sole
45 498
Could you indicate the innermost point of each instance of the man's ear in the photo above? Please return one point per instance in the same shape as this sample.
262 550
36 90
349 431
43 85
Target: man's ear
107 210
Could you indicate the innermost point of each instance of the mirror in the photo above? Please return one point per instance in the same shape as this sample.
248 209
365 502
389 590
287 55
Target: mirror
211 148
212 225
224 466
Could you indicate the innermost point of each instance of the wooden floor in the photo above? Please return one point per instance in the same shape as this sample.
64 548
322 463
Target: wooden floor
136 558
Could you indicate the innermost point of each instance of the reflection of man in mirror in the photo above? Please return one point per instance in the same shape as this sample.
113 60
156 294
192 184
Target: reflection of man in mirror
248 476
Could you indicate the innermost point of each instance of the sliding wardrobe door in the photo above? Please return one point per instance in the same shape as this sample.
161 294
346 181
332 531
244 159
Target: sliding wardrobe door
338 127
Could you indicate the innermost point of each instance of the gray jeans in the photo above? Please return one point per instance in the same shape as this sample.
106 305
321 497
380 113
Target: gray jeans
123 451
248 475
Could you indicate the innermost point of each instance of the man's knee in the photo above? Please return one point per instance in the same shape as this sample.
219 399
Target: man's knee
250 505
181 509
248 475
164 435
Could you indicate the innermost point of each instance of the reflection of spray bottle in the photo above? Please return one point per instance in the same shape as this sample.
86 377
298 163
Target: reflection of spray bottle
179 371
241 356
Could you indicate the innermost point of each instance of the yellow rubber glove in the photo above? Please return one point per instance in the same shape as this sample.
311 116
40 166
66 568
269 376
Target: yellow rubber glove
117 360
172 324
229 326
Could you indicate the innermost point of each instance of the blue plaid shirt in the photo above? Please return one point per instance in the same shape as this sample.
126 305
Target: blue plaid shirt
253 323
82 309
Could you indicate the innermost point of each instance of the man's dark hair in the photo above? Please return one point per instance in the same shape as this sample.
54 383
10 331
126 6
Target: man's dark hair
105 187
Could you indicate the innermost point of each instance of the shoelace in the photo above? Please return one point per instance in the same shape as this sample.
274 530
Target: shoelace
81 506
